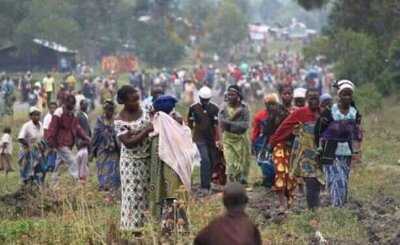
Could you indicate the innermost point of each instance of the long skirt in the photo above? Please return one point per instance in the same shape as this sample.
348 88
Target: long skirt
337 178
237 156
284 182
168 196
108 171
134 191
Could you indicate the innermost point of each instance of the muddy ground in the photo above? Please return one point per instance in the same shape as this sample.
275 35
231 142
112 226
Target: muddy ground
380 217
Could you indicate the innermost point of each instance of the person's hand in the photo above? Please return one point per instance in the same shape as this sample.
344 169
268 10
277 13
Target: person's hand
149 129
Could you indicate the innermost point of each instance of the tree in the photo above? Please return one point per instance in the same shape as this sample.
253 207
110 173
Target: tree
11 14
356 56
49 20
197 12
226 29
156 46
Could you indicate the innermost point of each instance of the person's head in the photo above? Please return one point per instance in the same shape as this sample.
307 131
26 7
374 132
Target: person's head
286 94
234 197
234 95
109 109
325 101
299 96
205 95
84 105
165 103
312 97
271 102
156 92
34 114
70 102
7 130
129 97
345 92
52 107
48 74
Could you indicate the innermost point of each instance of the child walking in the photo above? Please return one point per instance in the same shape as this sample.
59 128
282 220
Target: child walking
6 151
83 162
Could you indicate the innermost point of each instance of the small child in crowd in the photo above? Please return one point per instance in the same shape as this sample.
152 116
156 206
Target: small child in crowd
6 151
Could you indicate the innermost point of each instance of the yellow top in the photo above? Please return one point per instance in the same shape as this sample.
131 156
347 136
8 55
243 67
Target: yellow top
48 84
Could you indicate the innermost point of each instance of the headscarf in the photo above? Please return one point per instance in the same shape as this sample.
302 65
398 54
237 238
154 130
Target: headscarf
299 93
271 98
235 88
325 97
344 84
165 103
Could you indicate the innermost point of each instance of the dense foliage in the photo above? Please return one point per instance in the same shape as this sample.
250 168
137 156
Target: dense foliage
362 40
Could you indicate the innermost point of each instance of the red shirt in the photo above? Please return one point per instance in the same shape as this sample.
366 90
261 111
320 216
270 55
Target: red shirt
237 74
257 120
64 129
200 74
301 115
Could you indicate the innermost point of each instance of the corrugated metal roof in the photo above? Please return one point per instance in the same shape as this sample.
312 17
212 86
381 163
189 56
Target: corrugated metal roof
53 45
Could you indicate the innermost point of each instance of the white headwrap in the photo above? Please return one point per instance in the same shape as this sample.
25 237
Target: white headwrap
299 93
343 84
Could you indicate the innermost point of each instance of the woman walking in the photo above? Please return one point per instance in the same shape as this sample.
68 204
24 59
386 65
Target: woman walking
234 121
170 168
106 150
133 127
334 133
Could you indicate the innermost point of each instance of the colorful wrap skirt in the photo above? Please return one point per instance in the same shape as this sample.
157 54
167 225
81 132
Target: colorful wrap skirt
237 156
284 182
337 179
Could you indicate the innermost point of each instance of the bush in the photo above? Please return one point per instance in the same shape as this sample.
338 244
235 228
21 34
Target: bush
368 99
356 56
389 81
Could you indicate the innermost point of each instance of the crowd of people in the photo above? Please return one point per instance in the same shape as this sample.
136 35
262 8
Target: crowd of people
303 140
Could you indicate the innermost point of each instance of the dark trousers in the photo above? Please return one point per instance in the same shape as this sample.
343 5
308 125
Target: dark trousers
208 153
313 188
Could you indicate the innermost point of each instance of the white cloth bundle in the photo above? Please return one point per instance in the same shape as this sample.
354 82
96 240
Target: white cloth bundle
176 147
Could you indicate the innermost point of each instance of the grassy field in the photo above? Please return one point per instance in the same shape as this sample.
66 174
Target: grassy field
74 214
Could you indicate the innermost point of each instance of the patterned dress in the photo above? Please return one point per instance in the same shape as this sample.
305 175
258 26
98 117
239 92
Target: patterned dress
105 148
341 130
134 170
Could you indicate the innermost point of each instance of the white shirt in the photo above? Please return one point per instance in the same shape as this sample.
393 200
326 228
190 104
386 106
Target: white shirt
6 139
47 121
31 133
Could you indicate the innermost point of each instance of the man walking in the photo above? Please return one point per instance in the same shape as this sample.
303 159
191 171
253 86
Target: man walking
62 134
203 120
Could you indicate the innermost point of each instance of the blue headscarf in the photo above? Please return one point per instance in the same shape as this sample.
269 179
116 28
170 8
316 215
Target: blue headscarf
165 103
